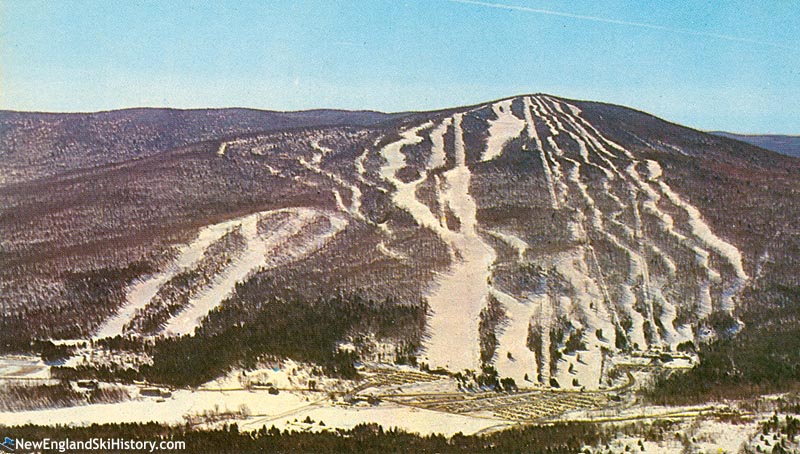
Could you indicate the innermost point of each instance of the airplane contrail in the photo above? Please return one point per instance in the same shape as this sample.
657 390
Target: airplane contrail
605 20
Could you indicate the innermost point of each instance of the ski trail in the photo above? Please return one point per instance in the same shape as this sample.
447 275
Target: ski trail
513 241
588 138
362 173
223 146
315 230
391 253
534 136
558 176
591 142
539 109
339 203
666 223
574 176
576 122
595 318
141 292
513 357
650 206
355 192
254 258
552 121
360 169
440 200
188 319
727 251
462 292
671 334
405 195
321 152
628 302
438 158
652 293
505 128
545 317
583 149
590 294
639 239
458 295
577 115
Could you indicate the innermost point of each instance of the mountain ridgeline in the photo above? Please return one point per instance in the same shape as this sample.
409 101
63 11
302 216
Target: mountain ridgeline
783 144
536 235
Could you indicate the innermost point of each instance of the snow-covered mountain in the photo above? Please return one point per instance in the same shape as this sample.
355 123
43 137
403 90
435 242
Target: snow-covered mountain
543 234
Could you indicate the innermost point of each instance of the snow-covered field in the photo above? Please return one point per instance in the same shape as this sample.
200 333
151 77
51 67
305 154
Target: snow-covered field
253 406
171 410
23 366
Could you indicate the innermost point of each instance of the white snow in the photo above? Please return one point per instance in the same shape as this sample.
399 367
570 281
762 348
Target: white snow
321 152
171 411
254 258
577 114
514 338
459 294
502 130
388 415
726 250
359 164
286 410
654 170
462 292
355 192
286 374
391 253
592 314
23 366
438 158
189 318
589 141
223 146
337 196
533 135
513 241
405 195
141 292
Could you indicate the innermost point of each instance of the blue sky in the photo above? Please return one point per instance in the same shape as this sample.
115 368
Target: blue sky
731 65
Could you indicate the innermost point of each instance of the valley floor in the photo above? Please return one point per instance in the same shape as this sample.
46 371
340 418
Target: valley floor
286 396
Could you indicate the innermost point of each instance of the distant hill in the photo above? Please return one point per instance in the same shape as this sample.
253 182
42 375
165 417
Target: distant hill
788 145
35 145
